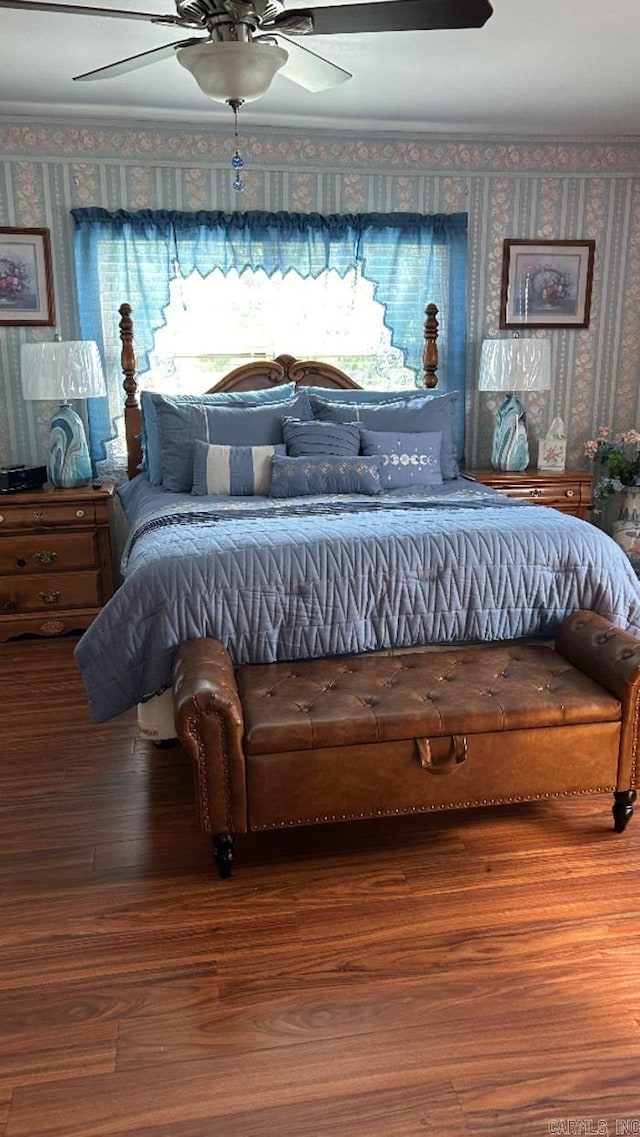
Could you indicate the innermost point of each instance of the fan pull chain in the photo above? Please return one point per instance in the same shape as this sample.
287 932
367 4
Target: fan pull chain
237 161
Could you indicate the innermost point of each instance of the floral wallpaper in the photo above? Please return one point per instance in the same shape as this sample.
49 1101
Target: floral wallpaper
523 189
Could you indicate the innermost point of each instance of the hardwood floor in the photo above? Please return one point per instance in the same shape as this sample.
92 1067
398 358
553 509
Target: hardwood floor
461 974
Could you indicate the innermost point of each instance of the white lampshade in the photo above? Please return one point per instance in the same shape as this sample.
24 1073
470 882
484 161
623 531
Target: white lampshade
229 70
515 365
60 371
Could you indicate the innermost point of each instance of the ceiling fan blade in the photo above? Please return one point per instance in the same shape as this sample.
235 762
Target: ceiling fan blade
83 10
389 16
123 66
309 70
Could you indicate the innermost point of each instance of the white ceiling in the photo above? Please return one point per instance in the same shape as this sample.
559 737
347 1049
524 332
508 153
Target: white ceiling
538 67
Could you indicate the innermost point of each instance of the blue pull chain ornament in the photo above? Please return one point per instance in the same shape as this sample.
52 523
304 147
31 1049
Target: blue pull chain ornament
237 161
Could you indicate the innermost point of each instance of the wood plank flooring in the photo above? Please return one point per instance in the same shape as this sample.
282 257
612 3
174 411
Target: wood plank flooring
460 974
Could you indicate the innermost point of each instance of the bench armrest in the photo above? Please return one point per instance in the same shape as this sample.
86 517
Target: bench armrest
611 657
210 726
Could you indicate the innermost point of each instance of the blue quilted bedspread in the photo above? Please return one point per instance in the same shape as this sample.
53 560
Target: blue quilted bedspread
300 578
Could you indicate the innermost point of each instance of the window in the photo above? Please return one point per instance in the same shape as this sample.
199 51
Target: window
331 318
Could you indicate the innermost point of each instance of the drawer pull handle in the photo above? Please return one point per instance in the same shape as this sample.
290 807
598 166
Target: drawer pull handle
51 597
45 557
456 756
40 514
21 562
570 493
79 512
535 493
52 627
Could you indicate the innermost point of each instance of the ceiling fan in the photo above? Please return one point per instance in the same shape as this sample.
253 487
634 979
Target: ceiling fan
240 53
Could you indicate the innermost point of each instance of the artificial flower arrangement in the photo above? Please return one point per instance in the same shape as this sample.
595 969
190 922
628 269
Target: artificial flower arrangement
13 277
616 459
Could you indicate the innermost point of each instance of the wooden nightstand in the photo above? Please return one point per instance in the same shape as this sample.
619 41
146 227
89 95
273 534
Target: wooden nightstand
567 491
56 568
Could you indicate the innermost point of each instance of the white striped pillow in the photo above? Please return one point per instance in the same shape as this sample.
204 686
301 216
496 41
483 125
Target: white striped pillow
239 471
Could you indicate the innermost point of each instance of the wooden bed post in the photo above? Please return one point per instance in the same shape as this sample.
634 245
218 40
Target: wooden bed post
132 419
430 357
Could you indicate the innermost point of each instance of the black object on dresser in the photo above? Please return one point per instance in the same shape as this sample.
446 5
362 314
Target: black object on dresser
15 479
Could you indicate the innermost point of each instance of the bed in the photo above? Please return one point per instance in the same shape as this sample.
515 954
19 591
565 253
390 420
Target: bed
296 516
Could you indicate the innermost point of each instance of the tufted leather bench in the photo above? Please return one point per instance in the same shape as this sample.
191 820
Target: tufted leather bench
288 744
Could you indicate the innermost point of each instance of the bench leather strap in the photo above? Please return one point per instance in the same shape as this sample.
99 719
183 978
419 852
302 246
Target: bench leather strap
456 756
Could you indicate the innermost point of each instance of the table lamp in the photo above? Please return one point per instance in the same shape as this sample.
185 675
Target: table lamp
61 371
512 365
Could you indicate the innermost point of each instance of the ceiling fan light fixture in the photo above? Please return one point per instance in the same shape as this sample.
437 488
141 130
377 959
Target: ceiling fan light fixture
229 70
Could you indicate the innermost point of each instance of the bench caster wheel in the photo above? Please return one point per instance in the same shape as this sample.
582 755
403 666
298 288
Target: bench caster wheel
223 846
623 809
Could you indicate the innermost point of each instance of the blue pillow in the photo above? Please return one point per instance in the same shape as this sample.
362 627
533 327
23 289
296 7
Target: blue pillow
364 395
406 459
300 477
149 399
240 471
428 413
180 425
312 436
142 464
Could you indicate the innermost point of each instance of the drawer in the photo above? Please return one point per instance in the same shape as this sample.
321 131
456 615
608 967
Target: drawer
49 592
566 496
46 515
22 555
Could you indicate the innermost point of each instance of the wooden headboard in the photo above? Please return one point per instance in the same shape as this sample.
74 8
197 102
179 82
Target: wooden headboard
255 376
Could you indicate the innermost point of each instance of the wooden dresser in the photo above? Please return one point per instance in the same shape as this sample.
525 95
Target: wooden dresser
567 491
56 568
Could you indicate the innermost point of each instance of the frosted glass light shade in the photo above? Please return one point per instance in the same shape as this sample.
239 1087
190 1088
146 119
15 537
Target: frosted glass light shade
227 70
515 365
60 371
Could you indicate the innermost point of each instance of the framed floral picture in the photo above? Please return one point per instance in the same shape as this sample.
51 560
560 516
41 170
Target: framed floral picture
26 278
546 284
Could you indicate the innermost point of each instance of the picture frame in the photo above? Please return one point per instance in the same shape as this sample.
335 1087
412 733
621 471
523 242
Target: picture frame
546 284
26 278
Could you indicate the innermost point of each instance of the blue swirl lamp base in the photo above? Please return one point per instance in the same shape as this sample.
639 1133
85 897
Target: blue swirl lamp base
510 447
69 461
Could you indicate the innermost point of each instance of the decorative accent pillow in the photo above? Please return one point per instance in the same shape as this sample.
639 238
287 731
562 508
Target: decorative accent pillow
240 471
311 436
405 459
149 400
427 413
300 477
180 425
363 394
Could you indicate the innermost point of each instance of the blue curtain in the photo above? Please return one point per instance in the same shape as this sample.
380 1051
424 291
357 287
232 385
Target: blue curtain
411 259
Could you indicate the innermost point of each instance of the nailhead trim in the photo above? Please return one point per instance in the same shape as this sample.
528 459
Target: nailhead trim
634 748
429 808
202 771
